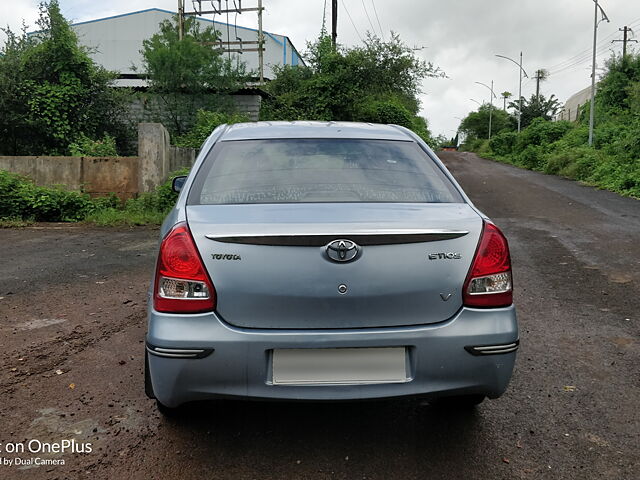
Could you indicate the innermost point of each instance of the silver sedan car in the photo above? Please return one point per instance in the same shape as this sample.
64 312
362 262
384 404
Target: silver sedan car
327 261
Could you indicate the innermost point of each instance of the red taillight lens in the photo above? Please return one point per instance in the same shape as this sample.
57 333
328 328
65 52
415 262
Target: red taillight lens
489 282
182 284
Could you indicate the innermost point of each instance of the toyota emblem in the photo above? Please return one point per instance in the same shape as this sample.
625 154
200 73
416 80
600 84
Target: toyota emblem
342 250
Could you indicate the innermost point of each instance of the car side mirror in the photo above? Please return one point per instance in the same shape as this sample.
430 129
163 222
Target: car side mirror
178 183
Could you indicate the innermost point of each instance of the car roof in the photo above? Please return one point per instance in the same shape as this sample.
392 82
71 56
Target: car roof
312 129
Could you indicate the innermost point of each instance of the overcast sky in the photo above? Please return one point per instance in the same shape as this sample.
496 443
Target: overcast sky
459 36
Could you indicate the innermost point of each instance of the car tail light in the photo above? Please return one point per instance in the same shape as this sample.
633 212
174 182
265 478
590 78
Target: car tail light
182 284
489 282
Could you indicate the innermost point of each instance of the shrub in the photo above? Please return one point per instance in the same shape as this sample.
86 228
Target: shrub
532 157
207 122
542 132
86 147
583 161
20 198
384 111
503 143
472 144
13 195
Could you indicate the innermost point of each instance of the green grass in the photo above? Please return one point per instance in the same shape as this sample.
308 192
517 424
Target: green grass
15 223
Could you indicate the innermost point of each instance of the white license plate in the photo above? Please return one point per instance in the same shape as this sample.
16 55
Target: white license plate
342 366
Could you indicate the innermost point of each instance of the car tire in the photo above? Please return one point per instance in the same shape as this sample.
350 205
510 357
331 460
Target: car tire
168 412
459 402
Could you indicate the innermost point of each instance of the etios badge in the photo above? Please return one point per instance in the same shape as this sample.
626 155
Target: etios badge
342 250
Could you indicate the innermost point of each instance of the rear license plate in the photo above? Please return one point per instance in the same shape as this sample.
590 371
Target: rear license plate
342 366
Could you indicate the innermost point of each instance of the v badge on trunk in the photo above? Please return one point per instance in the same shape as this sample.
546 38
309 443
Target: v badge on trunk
445 296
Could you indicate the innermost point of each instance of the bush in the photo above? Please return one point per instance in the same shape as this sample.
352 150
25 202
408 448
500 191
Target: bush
472 144
207 122
382 111
542 132
86 147
532 157
20 199
503 143
617 174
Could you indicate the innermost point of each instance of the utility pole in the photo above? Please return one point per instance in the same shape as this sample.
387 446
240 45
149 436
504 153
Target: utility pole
260 43
490 108
538 77
180 19
239 44
625 39
334 22
593 67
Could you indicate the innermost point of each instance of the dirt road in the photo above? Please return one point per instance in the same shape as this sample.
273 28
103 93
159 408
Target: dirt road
72 322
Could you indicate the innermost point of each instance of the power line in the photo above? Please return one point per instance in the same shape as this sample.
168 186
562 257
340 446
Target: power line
377 18
351 19
587 53
368 18
573 66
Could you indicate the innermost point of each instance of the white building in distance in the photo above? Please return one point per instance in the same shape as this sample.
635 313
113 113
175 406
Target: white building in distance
571 109
115 43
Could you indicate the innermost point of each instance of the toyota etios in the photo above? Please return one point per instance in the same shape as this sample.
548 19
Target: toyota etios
327 261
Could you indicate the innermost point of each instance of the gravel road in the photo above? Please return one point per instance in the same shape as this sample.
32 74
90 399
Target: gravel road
72 323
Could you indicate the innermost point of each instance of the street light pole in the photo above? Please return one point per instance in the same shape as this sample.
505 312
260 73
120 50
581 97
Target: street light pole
491 97
475 101
490 108
519 86
593 67
520 95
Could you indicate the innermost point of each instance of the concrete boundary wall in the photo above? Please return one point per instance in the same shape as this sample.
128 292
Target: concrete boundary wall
93 175
124 176
158 158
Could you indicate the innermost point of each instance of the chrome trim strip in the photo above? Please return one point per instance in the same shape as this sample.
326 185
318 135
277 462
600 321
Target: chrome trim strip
498 347
178 352
493 349
506 350
170 355
320 239
175 350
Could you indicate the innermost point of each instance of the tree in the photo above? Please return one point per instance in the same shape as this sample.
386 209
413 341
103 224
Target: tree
377 82
538 106
190 73
476 124
505 96
51 92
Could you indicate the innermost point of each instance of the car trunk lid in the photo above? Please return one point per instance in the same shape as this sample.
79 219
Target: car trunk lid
271 267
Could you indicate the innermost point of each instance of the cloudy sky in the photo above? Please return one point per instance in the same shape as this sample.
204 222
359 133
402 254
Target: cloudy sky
459 36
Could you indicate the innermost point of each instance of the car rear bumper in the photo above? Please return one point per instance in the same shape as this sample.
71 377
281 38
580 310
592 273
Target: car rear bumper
196 357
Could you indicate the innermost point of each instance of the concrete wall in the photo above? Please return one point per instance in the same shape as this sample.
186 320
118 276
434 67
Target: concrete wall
93 175
151 108
158 158
124 176
47 171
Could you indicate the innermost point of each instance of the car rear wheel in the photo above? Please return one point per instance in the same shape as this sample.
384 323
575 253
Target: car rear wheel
168 412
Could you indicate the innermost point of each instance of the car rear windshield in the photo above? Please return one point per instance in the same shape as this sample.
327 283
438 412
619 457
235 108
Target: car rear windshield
318 171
